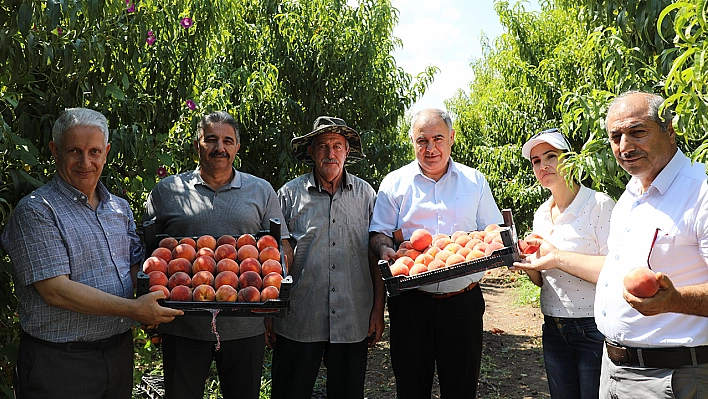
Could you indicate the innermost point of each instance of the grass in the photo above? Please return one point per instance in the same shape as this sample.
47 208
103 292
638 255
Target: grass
529 294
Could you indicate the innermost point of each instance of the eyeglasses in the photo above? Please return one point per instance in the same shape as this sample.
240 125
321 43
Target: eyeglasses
553 130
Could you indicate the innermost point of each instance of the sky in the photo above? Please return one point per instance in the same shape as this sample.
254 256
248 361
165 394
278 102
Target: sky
446 34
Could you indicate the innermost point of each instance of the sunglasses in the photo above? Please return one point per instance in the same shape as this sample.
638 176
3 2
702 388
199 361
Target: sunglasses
553 130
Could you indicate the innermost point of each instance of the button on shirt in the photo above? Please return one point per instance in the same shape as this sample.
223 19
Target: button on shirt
583 228
677 204
460 200
332 294
54 231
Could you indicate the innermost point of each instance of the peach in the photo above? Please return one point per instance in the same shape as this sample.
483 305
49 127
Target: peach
181 293
158 278
162 288
184 251
421 239
399 269
463 240
250 264
641 282
443 255
417 269
436 264
412 253
249 294
273 279
454 236
482 246
226 293
405 245
226 278
491 236
439 236
472 242
179 265
406 261
400 253
271 266
227 265
168 242
424 259
266 241
432 251
245 239
454 259
179 278
247 251
225 251
203 293
463 251
475 254
269 292
226 240
205 252
154 263
206 241
269 253
202 277
250 279
204 263
443 242
491 227
453 247
162 253
493 246
189 241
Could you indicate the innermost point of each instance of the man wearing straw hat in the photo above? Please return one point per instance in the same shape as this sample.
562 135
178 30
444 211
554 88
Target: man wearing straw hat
337 300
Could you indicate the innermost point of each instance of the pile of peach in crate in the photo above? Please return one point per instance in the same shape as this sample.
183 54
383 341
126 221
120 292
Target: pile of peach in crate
223 270
425 252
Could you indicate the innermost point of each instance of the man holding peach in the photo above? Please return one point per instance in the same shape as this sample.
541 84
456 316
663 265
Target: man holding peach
75 256
437 326
214 199
337 300
656 344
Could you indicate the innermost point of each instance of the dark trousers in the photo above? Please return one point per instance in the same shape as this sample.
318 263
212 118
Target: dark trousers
296 364
187 362
572 353
45 372
427 332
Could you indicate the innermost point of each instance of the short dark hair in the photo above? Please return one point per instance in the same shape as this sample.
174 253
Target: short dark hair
218 117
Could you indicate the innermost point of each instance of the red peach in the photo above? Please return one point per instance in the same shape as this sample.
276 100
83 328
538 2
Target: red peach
179 278
226 278
181 293
245 239
179 265
227 265
412 253
205 252
206 241
203 293
189 241
400 253
269 292
421 239
270 266
157 278
162 253
226 239
269 253
249 294
202 277
405 245
160 288
204 263
154 263
250 278
225 251
641 282
168 242
247 251
184 251
274 279
226 293
399 269
250 264
406 260
267 241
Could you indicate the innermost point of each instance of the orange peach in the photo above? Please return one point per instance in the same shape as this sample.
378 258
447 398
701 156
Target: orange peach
641 282
491 236
443 242
203 293
225 251
463 240
202 277
226 277
493 246
162 253
474 254
157 278
247 251
154 263
181 293
205 252
162 288
412 253
399 269
270 266
269 253
436 264
454 236
439 236
168 242
432 251
400 253
189 241
453 247
269 292
417 269
266 241
250 264
204 263
273 279
179 265
454 259
406 261
184 251
463 251
250 278
424 259
245 239
421 239
472 242
249 294
226 293
482 246
405 245
226 239
443 255
206 241
491 227
227 265
179 278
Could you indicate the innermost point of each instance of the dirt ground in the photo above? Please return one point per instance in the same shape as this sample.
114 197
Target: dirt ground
512 361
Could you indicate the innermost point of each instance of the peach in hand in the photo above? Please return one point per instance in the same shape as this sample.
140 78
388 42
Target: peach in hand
641 282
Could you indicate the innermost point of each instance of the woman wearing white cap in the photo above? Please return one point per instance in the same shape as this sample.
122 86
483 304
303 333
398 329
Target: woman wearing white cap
575 218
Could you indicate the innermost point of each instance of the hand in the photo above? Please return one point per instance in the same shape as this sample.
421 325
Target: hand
661 302
150 313
376 327
542 259
387 253
270 332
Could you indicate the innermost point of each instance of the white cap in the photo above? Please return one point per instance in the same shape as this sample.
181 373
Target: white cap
552 136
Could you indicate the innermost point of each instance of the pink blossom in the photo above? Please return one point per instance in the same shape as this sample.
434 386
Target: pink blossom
161 172
130 6
59 31
150 40
191 105
186 22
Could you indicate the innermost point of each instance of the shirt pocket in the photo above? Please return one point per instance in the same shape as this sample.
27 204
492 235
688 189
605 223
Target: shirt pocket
466 212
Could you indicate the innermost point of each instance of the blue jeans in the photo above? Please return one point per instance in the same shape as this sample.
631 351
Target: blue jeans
572 352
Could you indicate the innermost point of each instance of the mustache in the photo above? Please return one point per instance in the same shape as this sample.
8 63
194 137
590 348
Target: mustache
330 160
631 154
218 154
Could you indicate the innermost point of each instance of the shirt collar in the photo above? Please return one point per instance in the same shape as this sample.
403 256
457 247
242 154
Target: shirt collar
451 170
663 180
73 192
312 181
234 183
576 207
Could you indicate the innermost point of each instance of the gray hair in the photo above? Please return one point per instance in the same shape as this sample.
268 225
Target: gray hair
218 117
438 112
653 102
72 117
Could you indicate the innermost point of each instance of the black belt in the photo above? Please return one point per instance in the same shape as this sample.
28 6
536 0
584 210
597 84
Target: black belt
80 346
450 294
661 358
